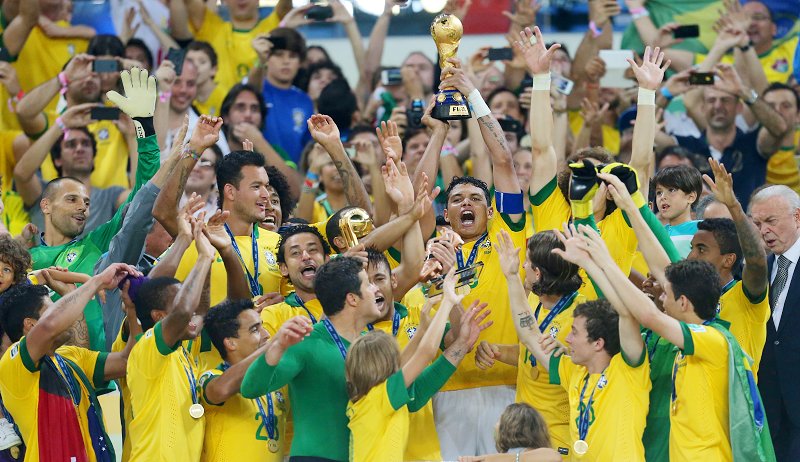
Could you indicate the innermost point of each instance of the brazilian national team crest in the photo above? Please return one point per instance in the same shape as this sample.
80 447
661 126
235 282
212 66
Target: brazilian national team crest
102 135
410 331
72 256
602 382
299 119
553 331
270 257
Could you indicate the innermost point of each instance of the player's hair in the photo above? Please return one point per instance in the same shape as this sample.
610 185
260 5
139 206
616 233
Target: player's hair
724 231
702 205
278 182
20 302
16 255
683 177
300 229
559 277
230 99
154 295
699 282
457 180
371 360
376 258
222 321
205 47
602 322
53 185
229 169
521 426
55 150
335 280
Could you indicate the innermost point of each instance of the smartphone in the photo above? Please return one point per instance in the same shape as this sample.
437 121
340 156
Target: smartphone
687 31
5 56
500 54
563 84
278 43
467 276
391 76
701 78
177 56
509 124
319 12
105 65
105 113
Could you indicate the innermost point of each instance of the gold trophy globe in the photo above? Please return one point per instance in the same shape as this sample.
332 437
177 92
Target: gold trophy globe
446 30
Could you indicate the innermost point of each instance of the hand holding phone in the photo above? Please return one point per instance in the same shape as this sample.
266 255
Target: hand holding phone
686 31
105 113
701 78
500 54
319 12
177 57
105 65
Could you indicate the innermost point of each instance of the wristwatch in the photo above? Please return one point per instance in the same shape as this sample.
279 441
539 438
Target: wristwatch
751 98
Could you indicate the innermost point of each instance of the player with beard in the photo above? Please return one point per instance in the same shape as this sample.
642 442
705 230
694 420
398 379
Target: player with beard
65 202
302 250
553 284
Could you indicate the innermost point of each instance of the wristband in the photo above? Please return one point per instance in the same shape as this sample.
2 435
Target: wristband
60 124
447 150
479 107
541 82
144 127
164 96
637 10
312 176
666 93
62 79
596 31
638 13
189 152
509 203
12 102
646 97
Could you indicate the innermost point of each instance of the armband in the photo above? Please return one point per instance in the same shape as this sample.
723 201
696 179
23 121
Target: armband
646 97
189 152
509 203
666 93
312 176
60 124
541 81
596 31
479 106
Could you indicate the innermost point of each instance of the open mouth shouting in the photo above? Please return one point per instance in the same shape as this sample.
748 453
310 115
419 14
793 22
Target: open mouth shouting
467 217
380 302
309 271
271 221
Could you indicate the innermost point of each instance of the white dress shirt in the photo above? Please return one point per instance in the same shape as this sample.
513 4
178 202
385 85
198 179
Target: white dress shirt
793 254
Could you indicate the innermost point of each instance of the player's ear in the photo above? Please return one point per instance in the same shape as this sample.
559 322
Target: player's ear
284 269
489 212
394 282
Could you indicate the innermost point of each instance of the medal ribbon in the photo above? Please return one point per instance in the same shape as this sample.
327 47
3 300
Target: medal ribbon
69 381
269 419
473 254
190 376
562 304
584 412
303 304
255 289
335 336
395 324
725 289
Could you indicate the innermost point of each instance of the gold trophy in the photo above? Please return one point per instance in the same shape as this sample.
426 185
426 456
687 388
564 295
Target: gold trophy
354 224
446 30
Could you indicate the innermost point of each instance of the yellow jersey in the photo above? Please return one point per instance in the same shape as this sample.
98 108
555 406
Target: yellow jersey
379 422
273 316
7 158
611 137
235 429
161 379
110 160
42 58
125 397
699 415
213 104
748 317
533 380
777 62
490 287
235 54
14 215
549 208
617 402
422 436
30 390
782 168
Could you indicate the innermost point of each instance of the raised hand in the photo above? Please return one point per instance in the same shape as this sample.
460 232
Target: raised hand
78 116
262 45
471 326
486 354
324 130
595 245
359 252
508 253
247 145
206 133
619 192
8 78
390 140
678 84
455 77
340 13
293 331
458 8
524 14
398 185
165 75
297 17
215 230
574 247
449 288
443 253
429 121
728 79
665 37
201 242
140 93
114 274
268 299
79 67
601 11
722 184
651 72
591 111
423 203
537 57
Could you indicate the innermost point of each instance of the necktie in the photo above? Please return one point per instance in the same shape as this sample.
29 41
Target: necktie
780 280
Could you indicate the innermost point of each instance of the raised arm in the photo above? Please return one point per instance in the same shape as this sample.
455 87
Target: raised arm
754 275
187 301
374 54
216 234
20 26
387 235
62 314
325 132
168 264
227 385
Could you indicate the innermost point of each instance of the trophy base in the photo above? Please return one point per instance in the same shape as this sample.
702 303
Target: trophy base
451 105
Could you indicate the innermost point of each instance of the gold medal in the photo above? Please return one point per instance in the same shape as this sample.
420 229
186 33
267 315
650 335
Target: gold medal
196 411
272 445
580 447
14 451
534 372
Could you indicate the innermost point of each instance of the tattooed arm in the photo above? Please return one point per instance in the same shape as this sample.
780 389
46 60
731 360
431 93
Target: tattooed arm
79 333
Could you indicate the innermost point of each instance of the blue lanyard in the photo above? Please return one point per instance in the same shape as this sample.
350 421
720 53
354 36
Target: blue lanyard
652 350
190 376
563 303
269 419
335 336
5 412
74 391
473 254
303 304
725 289
255 289
584 413
395 324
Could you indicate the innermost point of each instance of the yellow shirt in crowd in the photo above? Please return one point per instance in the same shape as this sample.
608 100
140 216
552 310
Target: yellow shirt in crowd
213 104
159 377
778 62
782 168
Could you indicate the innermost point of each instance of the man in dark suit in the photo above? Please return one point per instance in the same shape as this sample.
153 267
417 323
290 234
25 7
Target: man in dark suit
776 212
